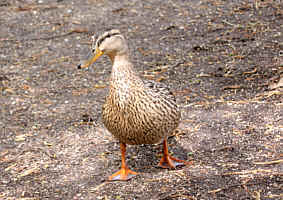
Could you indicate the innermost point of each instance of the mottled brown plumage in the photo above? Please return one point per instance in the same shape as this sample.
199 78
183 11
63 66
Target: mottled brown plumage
136 111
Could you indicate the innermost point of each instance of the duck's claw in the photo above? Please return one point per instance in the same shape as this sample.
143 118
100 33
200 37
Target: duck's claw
122 175
171 162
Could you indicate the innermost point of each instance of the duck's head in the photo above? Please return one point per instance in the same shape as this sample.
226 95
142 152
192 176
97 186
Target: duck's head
111 43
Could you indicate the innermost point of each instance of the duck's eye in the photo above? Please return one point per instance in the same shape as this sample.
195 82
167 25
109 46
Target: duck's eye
93 50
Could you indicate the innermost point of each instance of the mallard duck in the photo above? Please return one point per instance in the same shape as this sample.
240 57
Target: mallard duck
136 111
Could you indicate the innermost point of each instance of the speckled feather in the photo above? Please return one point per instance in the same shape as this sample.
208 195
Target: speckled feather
137 111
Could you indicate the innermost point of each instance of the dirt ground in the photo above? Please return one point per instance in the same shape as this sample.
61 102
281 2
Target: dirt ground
222 59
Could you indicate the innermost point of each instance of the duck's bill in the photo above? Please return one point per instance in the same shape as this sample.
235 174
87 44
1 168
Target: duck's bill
91 59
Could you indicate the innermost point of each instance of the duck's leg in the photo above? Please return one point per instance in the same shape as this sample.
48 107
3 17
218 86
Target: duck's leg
124 173
168 161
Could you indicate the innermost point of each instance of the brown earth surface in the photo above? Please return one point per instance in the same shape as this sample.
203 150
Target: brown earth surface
222 59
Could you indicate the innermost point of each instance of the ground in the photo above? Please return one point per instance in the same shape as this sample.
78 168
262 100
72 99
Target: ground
222 59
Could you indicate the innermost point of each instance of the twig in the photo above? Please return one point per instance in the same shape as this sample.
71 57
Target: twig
274 196
98 187
249 172
256 195
230 186
28 172
269 162
228 23
50 37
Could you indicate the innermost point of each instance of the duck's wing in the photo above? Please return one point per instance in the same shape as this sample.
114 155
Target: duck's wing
158 89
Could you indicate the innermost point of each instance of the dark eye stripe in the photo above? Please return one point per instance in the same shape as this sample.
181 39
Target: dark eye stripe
107 36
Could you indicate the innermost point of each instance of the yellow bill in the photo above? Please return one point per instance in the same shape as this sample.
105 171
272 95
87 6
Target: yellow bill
92 58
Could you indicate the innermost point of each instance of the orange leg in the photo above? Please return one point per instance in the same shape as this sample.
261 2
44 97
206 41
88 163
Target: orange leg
168 161
124 173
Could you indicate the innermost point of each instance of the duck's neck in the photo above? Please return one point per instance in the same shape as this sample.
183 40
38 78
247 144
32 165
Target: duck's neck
122 66
123 80
119 57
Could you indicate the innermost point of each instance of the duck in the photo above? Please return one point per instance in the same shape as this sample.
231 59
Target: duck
135 111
